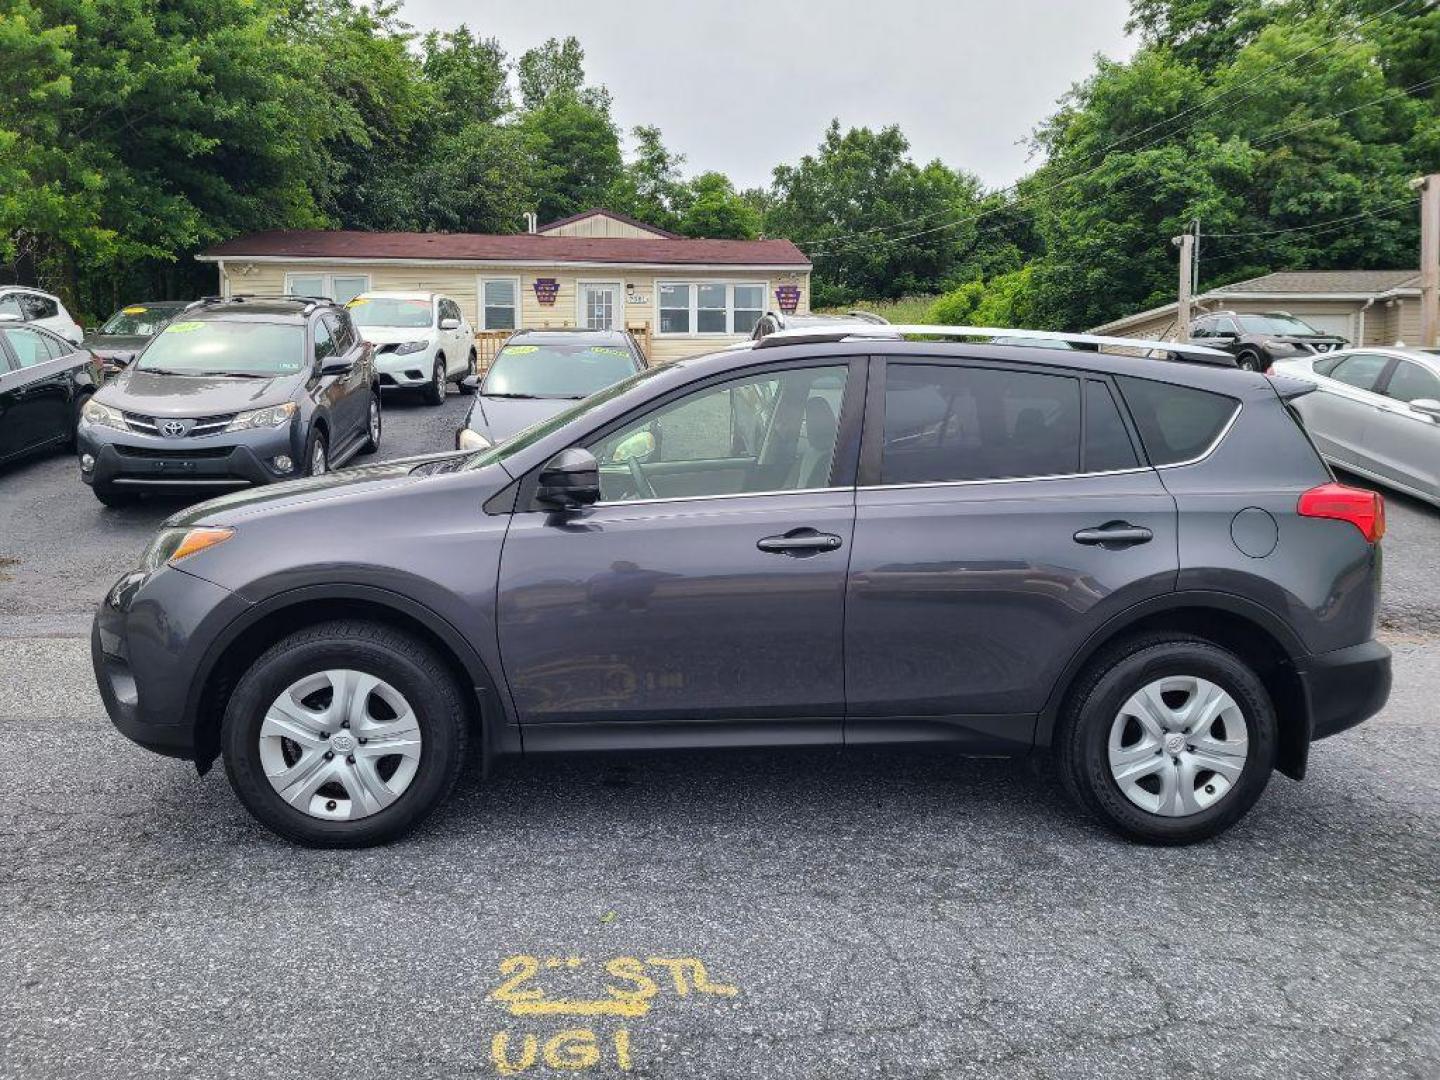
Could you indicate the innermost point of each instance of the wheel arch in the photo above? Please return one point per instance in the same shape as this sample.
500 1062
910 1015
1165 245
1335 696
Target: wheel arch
244 639
1251 631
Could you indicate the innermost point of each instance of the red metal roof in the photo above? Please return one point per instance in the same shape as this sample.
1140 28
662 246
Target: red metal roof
519 247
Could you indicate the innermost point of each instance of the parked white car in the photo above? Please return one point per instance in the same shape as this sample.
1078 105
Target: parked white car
17 302
422 340
1375 412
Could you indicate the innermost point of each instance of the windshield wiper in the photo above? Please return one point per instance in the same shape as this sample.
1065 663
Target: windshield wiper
236 374
526 397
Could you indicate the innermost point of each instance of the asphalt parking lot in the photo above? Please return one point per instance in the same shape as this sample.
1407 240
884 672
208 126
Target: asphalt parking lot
814 915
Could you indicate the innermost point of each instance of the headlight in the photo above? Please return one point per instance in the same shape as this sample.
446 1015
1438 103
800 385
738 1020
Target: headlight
172 545
410 346
263 418
102 415
468 439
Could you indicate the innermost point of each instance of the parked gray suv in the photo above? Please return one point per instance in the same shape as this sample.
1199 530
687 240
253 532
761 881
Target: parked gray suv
1141 568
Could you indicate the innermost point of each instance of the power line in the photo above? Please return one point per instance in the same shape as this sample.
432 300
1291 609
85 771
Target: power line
1320 225
820 247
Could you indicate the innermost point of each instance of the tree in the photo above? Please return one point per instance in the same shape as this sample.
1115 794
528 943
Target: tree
650 187
576 151
712 208
466 76
557 68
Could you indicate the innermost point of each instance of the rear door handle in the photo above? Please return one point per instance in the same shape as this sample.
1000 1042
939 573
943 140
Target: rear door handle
1116 534
799 542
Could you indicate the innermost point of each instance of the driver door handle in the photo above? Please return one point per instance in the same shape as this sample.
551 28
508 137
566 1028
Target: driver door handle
799 542
1118 533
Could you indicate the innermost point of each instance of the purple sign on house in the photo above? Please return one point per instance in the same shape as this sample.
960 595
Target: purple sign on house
788 297
546 290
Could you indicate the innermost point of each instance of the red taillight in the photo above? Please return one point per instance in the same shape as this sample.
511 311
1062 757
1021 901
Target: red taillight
1363 509
1270 370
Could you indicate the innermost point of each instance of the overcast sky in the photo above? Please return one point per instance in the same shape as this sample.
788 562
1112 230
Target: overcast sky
741 85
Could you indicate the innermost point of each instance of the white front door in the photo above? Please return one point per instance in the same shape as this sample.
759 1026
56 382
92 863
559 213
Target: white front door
600 306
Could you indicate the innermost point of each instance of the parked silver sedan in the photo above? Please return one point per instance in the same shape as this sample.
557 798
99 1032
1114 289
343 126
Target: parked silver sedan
1376 413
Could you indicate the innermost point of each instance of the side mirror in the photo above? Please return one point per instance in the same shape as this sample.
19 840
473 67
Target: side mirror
89 330
1426 407
638 447
570 480
449 324
471 383
336 365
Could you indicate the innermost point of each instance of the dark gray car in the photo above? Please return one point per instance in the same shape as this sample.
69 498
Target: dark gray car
538 373
240 391
1140 567
129 330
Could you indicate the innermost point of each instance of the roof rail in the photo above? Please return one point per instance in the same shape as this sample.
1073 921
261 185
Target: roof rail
1018 337
869 317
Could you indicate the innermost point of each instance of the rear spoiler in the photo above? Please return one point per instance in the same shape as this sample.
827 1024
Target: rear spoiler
1289 389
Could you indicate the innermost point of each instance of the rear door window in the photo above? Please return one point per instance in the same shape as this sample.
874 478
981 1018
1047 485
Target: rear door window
1107 442
947 423
324 346
1411 382
27 345
1176 423
1360 370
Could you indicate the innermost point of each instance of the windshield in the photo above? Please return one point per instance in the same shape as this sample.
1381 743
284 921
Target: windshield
389 311
137 321
551 371
535 432
1274 324
223 347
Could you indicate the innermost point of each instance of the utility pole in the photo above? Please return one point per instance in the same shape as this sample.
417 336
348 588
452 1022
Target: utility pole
1429 188
1186 244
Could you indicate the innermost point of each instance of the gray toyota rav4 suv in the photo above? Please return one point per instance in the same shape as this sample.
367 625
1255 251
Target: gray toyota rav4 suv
1137 565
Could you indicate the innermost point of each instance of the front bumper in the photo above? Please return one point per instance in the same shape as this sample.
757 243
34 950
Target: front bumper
1345 687
148 646
405 369
226 459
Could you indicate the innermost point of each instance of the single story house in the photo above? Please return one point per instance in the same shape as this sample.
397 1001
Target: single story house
597 269
1367 307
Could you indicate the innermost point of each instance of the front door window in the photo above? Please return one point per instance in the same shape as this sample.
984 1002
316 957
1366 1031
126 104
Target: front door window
600 306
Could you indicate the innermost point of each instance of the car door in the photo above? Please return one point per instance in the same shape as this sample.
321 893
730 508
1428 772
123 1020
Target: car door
457 341
706 615
991 540
1337 416
350 392
40 390
1402 443
10 417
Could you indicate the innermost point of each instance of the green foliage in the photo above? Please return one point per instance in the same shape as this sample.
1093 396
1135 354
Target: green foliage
711 207
576 150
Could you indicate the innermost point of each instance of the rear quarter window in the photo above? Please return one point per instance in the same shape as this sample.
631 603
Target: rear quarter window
1176 423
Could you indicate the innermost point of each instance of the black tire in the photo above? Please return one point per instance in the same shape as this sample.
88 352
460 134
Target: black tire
406 664
434 392
1082 737
472 368
111 496
373 424
1249 361
316 436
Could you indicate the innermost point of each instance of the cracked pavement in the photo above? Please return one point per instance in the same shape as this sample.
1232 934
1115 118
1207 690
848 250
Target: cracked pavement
893 914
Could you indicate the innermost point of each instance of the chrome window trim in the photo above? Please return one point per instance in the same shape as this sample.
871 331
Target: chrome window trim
1004 479
707 498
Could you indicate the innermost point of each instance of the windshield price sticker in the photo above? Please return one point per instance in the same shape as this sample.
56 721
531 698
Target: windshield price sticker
183 327
577 1031
134 311
521 350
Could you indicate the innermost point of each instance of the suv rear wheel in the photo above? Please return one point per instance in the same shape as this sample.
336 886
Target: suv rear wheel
1248 360
1168 739
345 734
435 391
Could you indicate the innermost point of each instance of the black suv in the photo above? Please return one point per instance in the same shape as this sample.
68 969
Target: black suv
1139 567
239 391
1257 341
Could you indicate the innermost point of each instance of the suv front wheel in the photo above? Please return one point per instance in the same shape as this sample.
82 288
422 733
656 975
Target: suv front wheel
1167 739
345 734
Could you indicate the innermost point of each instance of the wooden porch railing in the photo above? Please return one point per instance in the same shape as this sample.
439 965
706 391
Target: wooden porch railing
488 342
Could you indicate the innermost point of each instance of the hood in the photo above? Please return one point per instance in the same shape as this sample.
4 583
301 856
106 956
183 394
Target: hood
139 391
228 509
391 335
498 418
114 344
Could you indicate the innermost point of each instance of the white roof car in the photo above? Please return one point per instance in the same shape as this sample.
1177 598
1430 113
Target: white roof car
44 309
422 340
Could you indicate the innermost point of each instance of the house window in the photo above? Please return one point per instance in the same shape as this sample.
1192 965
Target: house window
710 307
342 288
499 303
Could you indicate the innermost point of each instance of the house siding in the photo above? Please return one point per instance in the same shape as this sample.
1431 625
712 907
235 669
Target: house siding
1385 324
600 225
462 284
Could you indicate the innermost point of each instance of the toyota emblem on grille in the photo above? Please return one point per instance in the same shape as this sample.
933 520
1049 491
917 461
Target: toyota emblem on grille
174 428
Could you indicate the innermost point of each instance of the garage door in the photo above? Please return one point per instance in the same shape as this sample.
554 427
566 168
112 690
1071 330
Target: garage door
1344 325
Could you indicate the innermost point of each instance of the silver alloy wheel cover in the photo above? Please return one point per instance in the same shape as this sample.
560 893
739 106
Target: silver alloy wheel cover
1193 766
355 750
374 420
319 463
440 378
